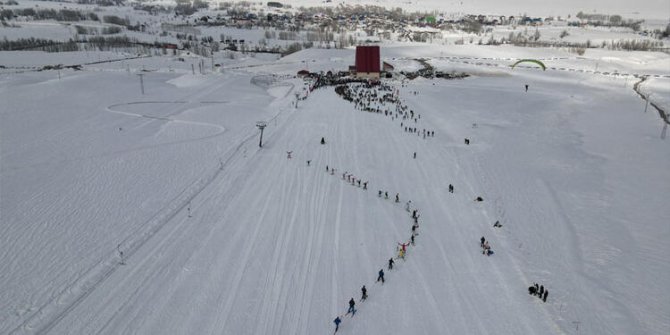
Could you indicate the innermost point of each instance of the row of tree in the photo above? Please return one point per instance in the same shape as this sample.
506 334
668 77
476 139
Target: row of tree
48 14
66 15
81 30
101 43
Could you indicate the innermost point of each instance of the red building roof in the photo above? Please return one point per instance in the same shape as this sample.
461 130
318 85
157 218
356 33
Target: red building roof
367 59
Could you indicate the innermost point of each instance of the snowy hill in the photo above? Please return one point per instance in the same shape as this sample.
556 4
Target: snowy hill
160 214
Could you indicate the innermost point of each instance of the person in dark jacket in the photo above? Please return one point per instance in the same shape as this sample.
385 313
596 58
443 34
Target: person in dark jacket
337 323
546 293
390 265
352 309
364 293
381 276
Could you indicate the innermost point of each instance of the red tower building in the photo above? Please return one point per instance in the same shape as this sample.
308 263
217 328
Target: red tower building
368 62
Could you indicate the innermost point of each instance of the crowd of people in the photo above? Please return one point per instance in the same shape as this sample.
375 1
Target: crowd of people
383 99
538 291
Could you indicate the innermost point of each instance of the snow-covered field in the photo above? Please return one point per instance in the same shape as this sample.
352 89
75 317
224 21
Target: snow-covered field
221 236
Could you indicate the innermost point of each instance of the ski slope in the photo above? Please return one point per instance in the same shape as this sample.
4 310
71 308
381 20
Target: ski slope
220 236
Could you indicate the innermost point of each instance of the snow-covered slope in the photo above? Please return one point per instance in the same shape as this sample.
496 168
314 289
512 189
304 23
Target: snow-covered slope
221 236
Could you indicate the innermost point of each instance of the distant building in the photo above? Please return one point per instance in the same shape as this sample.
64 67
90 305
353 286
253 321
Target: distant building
368 62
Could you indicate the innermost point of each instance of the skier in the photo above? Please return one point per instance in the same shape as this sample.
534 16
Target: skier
365 185
467 141
526 87
486 248
481 241
414 227
541 290
326 168
546 293
288 154
352 310
412 239
403 246
497 224
364 293
123 260
407 205
414 214
451 188
337 323
397 197
531 290
479 199
323 140
380 193
386 195
381 276
308 162
391 263
415 155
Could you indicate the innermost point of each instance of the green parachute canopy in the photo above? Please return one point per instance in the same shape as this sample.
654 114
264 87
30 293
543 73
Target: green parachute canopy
544 68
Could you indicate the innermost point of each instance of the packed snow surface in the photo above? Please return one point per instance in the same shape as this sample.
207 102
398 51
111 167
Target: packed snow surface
158 213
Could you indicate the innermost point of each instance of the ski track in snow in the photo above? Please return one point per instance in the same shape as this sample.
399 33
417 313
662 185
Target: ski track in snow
47 316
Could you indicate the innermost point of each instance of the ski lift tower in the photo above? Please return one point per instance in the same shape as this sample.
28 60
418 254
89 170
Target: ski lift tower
261 125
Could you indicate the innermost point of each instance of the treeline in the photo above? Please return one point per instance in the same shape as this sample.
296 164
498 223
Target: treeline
37 44
67 15
186 7
81 30
104 3
48 14
603 20
633 45
100 43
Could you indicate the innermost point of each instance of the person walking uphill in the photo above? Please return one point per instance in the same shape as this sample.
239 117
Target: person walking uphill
364 293
352 309
337 322
381 276
391 263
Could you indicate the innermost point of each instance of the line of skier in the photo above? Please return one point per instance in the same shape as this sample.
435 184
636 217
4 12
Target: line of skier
401 249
